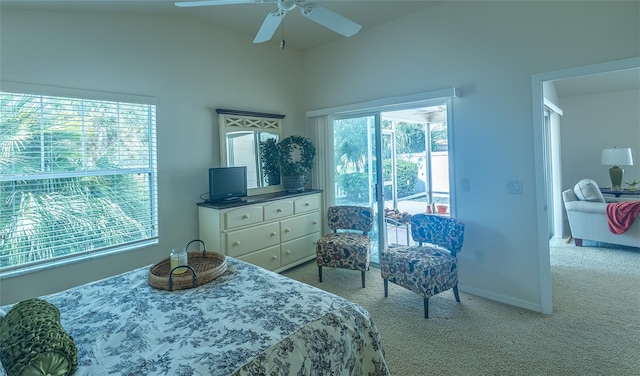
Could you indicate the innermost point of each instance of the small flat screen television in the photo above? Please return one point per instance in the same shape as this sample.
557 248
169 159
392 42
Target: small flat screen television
227 183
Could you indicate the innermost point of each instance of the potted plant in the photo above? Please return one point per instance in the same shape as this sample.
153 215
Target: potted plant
633 185
296 159
270 159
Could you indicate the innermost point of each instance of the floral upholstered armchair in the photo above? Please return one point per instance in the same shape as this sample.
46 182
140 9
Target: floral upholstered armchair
430 267
348 246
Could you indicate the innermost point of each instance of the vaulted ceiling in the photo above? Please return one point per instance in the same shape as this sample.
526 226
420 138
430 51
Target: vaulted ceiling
246 19
300 32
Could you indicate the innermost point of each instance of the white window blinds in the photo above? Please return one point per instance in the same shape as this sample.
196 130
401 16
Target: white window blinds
77 177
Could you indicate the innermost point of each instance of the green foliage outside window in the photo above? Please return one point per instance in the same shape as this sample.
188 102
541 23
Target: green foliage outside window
351 144
76 176
407 177
355 185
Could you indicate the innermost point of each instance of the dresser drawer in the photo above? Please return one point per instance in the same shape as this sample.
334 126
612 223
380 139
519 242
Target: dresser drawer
278 209
244 241
306 204
268 258
299 226
242 217
298 249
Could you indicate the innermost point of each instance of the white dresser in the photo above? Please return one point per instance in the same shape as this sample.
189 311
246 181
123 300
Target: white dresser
276 231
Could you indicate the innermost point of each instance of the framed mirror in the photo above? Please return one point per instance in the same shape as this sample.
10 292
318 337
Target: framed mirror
241 134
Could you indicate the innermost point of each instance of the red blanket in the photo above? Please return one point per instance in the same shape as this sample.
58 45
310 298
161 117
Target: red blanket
621 215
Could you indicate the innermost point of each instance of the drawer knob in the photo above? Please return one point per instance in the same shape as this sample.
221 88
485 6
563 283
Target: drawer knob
315 222
288 252
274 257
236 243
245 216
306 204
273 234
287 230
279 210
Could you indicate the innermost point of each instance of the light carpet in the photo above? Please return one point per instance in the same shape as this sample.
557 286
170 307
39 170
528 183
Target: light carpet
594 329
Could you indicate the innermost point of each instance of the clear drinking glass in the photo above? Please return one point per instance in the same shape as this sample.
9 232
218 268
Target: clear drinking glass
178 258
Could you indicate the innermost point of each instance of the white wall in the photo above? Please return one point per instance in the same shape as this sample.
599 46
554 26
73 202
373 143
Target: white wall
594 122
192 68
489 50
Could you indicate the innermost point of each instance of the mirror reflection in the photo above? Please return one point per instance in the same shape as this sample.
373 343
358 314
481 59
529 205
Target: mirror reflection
243 149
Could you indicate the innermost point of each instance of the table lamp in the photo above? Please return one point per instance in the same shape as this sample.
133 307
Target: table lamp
617 157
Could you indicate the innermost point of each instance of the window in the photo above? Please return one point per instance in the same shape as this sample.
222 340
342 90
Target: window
77 175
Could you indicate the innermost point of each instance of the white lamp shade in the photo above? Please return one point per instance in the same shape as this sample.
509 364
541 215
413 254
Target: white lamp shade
617 157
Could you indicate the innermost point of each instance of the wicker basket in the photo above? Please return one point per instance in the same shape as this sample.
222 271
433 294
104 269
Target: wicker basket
203 268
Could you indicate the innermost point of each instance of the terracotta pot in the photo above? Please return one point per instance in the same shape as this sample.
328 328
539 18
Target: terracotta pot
442 209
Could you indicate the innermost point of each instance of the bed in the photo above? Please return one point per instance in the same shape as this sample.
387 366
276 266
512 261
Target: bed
249 321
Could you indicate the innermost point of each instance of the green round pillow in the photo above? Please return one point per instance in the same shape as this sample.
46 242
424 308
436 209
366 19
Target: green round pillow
33 342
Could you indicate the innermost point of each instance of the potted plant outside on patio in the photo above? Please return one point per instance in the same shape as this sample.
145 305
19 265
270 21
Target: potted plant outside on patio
296 159
270 159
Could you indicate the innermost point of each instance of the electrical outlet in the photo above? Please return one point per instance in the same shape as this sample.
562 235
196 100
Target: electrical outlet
514 187
465 185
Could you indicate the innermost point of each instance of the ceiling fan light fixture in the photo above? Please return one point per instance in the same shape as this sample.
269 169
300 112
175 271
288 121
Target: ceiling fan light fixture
286 5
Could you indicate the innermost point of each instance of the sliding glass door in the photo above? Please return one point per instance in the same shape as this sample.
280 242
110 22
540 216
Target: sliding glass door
356 146
396 162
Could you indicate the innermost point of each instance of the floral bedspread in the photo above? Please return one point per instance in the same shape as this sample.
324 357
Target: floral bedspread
249 321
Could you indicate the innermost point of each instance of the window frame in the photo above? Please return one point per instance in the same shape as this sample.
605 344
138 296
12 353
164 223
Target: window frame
150 169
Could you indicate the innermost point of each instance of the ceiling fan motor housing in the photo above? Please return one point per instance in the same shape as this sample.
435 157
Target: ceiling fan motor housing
287 5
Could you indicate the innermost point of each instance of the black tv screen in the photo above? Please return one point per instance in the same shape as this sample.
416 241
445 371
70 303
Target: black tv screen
227 183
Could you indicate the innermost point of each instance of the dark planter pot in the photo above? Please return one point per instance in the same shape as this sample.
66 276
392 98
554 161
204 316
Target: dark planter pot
273 179
293 184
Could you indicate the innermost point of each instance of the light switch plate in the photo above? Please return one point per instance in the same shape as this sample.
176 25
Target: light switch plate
514 187
465 185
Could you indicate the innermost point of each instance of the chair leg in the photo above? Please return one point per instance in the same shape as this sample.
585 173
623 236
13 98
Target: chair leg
426 308
320 273
386 287
362 278
455 293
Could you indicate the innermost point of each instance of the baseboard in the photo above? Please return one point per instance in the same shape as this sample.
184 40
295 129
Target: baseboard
536 307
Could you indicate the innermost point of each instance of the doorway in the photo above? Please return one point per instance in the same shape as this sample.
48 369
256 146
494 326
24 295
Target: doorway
543 203
397 163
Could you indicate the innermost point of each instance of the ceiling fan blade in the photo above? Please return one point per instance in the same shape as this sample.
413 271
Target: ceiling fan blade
269 26
330 19
203 3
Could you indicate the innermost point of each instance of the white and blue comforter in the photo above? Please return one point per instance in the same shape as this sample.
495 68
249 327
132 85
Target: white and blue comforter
249 321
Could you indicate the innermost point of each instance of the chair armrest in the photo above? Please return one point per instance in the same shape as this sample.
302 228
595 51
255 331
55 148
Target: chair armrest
586 206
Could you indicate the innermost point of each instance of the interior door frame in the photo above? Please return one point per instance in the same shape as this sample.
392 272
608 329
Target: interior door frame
537 81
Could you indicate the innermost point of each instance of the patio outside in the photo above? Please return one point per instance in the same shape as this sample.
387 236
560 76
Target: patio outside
415 171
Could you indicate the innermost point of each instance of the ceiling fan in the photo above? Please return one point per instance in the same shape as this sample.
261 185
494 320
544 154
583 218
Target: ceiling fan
316 13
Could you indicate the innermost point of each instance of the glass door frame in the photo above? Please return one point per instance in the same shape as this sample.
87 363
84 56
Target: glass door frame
374 160
376 194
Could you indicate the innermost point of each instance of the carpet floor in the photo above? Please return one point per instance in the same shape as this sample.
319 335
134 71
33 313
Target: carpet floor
594 328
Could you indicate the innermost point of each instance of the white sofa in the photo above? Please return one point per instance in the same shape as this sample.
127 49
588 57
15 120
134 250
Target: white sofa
587 213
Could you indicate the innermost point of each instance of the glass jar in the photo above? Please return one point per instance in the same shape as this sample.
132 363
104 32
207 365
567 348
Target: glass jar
179 257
